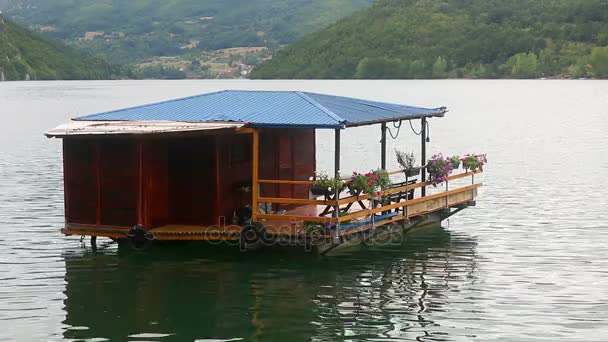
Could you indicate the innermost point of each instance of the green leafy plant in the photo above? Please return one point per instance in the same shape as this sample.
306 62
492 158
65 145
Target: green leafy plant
455 161
314 228
370 183
474 162
325 185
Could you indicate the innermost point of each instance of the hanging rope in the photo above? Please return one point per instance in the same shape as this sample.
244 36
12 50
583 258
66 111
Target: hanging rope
413 130
396 126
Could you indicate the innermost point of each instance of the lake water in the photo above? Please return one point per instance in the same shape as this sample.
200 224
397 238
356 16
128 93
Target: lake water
529 263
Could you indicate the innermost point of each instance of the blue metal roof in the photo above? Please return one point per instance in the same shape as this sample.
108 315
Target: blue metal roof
269 109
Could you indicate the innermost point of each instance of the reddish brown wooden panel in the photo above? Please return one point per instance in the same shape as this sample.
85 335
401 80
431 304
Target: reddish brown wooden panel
304 161
119 182
155 183
235 169
80 181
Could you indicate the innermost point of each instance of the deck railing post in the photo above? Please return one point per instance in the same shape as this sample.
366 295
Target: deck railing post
255 175
383 146
423 154
337 175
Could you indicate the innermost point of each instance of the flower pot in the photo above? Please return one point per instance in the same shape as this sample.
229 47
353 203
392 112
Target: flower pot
412 172
319 190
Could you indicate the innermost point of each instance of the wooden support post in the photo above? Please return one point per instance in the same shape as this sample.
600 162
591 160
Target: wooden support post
218 193
98 181
423 154
140 197
337 175
383 147
255 175
66 180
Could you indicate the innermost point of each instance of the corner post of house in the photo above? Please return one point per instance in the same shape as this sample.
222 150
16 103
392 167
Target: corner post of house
423 136
66 178
383 146
255 175
98 181
140 178
337 176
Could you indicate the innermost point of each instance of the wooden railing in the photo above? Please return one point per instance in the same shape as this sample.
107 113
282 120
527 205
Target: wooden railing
353 199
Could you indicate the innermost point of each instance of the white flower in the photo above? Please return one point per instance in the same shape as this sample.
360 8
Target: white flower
311 178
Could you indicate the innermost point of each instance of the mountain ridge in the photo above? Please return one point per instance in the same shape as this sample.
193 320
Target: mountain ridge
453 39
27 55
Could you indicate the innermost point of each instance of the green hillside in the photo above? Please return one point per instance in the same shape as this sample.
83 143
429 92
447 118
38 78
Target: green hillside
124 31
24 53
454 38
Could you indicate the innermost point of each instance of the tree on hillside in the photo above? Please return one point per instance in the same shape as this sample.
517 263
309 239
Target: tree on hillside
599 61
522 65
439 68
380 68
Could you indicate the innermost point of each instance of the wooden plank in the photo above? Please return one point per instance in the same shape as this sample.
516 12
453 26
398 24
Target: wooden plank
352 199
294 201
364 213
288 217
290 182
255 175
245 130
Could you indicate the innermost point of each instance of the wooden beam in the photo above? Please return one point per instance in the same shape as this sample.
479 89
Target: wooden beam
66 179
255 175
367 212
218 176
291 182
352 199
245 130
294 201
273 217
140 181
98 181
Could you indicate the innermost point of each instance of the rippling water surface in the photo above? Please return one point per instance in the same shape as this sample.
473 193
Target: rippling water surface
529 263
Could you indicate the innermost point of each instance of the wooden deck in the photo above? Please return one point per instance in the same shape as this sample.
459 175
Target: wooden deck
290 224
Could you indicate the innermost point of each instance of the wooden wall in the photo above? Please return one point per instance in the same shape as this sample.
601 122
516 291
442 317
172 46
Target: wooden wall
193 181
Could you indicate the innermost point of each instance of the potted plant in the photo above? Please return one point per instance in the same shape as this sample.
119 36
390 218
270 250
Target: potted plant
439 169
370 183
324 185
473 162
455 161
407 162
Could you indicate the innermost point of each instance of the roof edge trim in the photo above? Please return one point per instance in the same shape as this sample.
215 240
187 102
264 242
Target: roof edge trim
331 114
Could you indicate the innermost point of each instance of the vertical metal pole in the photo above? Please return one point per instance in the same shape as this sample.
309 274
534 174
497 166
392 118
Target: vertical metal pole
423 154
337 175
383 146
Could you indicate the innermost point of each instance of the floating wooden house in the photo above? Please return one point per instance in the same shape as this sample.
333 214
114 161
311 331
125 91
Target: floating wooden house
235 166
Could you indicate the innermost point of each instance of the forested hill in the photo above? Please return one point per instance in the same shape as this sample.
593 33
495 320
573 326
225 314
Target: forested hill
25 54
124 31
454 38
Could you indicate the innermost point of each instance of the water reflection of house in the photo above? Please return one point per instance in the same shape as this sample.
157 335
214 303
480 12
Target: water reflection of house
390 291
